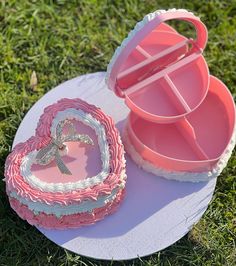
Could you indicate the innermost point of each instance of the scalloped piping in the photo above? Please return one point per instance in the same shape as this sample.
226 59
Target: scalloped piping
133 32
15 182
58 210
179 176
86 118
66 221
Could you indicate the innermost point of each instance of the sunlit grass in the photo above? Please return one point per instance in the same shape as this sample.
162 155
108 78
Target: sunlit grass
63 39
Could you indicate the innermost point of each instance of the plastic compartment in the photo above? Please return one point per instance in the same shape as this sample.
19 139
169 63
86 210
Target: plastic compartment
146 50
194 143
169 56
154 52
161 74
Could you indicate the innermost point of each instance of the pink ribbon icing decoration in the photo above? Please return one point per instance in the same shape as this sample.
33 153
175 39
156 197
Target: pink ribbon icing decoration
52 151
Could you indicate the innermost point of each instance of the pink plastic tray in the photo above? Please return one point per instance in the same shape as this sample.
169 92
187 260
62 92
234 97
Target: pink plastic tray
150 71
182 119
194 143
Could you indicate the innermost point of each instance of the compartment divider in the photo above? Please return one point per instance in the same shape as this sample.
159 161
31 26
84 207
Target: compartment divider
171 68
142 51
171 95
177 50
177 93
187 131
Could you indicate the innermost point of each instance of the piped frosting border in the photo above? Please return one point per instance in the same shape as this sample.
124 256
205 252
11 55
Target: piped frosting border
15 181
58 210
50 221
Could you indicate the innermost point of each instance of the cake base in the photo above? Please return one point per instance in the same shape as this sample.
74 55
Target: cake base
49 221
155 212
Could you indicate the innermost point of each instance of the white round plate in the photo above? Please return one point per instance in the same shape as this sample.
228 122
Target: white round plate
155 213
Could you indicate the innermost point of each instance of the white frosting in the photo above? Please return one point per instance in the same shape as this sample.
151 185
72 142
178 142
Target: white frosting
86 118
179 176
59 210
133 32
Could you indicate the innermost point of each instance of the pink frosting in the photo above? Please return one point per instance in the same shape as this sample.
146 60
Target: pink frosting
15 182
50 221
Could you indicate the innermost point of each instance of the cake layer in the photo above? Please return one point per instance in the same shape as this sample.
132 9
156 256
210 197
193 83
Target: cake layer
60 210
51 221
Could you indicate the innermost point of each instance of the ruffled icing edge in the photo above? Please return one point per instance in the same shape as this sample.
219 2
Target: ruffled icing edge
179 175
15 182
50 221
59 210
133 32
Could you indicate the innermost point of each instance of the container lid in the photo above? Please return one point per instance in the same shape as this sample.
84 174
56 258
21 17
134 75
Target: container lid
161 74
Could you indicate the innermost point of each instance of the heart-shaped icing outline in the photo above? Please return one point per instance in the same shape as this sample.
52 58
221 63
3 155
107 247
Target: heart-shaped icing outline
87 119
16 182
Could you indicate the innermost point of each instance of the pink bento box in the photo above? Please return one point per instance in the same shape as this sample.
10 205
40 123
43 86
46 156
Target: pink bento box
182 120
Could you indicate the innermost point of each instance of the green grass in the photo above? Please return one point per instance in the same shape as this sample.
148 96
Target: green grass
63 39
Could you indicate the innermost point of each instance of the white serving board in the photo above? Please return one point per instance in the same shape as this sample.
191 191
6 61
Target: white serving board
155 213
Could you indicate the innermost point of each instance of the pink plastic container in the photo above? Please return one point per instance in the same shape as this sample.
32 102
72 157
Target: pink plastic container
150 70
182 120
194 143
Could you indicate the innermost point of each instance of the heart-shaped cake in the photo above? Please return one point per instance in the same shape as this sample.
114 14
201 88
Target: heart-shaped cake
72 172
